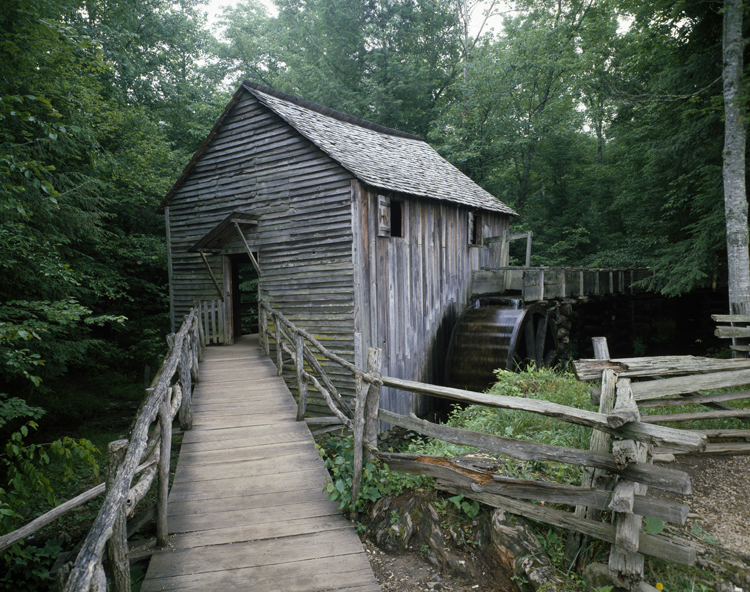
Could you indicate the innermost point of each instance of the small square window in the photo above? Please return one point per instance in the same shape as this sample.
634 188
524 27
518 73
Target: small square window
397 218
390 217
475 229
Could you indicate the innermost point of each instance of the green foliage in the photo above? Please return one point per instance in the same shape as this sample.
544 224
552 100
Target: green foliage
653 525
29 569
470 508
546 384
24 466
377 479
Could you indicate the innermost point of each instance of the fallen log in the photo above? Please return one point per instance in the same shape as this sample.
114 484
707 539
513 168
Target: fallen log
486 482
649 544
658 477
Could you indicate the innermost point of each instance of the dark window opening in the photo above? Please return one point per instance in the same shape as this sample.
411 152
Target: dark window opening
397 218
475 229
244 295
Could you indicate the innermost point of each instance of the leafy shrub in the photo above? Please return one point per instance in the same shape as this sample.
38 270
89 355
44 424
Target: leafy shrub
377 480
29 568
545 384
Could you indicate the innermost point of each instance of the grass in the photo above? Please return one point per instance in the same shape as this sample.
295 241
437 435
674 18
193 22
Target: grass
549 385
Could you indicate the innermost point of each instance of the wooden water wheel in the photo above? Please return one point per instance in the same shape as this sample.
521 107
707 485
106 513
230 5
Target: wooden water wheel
492 337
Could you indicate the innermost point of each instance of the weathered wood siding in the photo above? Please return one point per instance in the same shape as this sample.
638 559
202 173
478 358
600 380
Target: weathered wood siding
258 163
410 290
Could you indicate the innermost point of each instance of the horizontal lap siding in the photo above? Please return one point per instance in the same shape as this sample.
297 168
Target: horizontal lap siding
258 163
412 289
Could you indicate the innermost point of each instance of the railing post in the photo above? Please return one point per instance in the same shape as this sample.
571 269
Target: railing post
117 545
263 328
165 420
301 380
359 429
186 407
372 404
279 350
599 443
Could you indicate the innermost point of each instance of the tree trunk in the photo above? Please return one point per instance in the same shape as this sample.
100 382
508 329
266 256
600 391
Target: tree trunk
735 197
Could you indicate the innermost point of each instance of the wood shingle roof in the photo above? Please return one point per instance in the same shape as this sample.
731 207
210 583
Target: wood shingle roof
384 158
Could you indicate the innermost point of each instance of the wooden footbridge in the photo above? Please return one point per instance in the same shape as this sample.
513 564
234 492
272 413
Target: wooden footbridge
246 508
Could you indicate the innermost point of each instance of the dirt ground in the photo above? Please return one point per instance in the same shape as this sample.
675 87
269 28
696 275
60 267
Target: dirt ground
411 573
720 502
719 511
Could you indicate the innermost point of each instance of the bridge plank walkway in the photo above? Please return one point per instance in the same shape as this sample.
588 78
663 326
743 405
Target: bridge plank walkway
246 510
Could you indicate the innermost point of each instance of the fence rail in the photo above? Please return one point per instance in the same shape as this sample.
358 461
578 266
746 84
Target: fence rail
629 461
142 453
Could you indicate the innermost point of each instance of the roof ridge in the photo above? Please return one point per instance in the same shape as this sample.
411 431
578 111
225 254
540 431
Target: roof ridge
329 112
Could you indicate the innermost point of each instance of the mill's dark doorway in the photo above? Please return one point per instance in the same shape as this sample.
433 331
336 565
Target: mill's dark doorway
244 295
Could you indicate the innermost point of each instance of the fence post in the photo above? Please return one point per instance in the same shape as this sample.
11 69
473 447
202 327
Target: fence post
279 350
599 443
372 402
117 545
359 430
186 407
625 563
301 380
165 420
263 328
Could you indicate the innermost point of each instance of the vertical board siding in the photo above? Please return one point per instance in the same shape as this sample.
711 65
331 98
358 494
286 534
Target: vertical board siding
411 290
258 163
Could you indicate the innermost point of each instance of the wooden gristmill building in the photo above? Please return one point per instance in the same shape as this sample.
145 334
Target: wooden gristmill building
364 235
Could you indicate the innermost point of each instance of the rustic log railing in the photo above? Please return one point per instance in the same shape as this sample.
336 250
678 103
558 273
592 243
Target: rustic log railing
142 453
634 471
682 380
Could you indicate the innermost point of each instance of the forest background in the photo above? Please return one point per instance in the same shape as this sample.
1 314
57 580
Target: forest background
599 121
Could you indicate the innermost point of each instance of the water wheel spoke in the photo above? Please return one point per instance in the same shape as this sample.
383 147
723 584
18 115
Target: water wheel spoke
541 333
529 338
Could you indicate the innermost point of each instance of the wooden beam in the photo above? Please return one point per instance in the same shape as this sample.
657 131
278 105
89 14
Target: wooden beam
700 415
247 248
213 277
510 237
679 439
658 477
731 332
657 546
722 318
678 385
588 369
483 481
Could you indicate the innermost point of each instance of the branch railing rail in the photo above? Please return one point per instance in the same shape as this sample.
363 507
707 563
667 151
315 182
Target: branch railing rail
144 453
500 491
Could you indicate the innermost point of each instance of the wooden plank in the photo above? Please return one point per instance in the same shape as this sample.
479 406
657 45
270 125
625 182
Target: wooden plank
326 573
252 469
251 554
523 450
269 501
267 530
222 519
698 416
694 399
591 369
654 545
679 385
680 439
732 332
448 471
721 318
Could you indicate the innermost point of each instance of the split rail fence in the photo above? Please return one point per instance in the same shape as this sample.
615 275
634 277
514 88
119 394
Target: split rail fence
630 462
146 453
